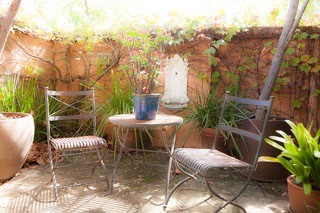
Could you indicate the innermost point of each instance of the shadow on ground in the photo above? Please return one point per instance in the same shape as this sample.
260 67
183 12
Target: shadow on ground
138 190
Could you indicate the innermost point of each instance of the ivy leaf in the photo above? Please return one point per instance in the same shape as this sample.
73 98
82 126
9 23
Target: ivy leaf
316 69
301 46
304 58
295 62
228 74
303 35
305 67
304 88
276 88
215 74
187 55
268 44
213 61
241 68
202 76
283 81
219 43
296 34
210 51
315 92
273 51
314 36
284 64
290 51
296 104
313 60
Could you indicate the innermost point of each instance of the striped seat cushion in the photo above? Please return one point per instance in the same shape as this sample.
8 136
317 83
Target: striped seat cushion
91 141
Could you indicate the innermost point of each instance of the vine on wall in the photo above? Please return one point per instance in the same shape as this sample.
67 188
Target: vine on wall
243 62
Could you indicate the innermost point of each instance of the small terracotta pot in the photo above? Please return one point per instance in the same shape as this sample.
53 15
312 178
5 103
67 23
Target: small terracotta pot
299 202
16 138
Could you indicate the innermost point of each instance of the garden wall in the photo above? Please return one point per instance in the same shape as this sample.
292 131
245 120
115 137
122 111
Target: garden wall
242 63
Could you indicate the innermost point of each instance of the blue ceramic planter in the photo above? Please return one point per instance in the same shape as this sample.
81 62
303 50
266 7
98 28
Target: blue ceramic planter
145 106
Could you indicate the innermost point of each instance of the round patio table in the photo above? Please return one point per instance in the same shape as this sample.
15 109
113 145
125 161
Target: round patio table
161 121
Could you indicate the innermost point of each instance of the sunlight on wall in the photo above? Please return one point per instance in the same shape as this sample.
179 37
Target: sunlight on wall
112 15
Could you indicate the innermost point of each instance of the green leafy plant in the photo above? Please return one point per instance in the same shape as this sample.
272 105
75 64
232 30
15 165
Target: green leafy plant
117 100
143 64
113 101
204 110
299 155
18 94
22 94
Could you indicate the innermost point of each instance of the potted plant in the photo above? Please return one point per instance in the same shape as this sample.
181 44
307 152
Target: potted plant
300 155
113 101
203 114
142 68
16 126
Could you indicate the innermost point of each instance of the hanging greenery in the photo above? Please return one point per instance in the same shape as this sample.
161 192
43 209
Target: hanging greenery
83 19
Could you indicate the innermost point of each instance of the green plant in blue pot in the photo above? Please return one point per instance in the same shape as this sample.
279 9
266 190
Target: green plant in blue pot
142 67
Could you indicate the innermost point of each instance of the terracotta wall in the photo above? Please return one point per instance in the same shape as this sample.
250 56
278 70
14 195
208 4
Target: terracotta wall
22 53
77 61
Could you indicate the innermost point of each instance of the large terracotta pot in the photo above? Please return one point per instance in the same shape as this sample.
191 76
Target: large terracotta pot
299 202
207 137
16 138
265 171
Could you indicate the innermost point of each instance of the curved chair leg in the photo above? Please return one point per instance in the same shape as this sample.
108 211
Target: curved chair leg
173 190
231 201
189 177
212 191
224 199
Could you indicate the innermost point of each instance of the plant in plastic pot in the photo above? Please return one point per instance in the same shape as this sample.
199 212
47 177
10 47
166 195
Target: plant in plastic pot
142 68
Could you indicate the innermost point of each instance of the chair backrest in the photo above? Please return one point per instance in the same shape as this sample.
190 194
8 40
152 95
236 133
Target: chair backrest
236 110
73 106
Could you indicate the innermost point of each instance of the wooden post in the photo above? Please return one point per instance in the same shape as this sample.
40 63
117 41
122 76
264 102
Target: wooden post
6 23
292 21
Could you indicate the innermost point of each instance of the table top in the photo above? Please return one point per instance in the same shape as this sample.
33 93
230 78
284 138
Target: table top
129 120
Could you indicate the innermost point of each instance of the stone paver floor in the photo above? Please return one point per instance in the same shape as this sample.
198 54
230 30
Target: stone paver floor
139 191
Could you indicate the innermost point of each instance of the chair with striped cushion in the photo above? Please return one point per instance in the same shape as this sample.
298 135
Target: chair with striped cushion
73 146
211 166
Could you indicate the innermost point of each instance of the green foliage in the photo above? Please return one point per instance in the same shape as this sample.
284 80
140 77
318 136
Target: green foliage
89 19
268 44
297 59
114 101
290 51
145 55
296 104
22 94
204 110
18 94
299 155
209 51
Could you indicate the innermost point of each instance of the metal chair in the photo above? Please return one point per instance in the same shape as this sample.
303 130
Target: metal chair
202 164
71 131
